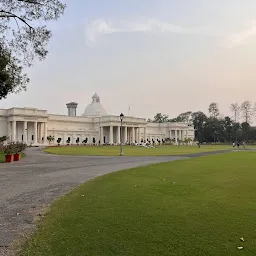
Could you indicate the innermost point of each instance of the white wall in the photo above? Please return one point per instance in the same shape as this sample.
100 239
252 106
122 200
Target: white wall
3 126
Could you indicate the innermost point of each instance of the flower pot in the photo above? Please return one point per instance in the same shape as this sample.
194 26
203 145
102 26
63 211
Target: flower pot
8 158
16 157
67 144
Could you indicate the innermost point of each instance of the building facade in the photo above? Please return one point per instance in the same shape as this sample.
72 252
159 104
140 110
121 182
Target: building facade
33 126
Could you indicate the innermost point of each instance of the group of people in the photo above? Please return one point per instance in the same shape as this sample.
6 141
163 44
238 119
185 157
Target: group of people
238 144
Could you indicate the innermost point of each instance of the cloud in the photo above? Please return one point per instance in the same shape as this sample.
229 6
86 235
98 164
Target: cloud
242 37
98 28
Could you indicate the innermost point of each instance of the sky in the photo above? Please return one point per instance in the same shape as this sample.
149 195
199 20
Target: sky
167 56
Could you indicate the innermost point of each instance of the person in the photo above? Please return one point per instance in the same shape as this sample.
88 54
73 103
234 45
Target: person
198 144
238 144
244 144
234 144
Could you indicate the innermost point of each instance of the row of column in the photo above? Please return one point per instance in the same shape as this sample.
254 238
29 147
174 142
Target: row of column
12 131
131 135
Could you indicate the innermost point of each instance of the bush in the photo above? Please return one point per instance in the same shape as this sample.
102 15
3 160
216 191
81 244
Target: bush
19 147
9 149
3 138
13 148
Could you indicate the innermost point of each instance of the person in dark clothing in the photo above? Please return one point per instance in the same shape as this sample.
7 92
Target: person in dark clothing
238 144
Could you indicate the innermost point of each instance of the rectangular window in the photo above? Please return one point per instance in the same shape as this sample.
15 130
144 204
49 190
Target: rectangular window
32 137
22 137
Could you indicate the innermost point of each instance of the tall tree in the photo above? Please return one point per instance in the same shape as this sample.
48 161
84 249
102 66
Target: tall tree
185 117
199 120
214 110
11 77
24 37
159 118
235 109
247 111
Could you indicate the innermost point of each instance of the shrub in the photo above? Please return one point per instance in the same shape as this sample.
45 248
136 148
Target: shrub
13 148
19 147
9 149
3 138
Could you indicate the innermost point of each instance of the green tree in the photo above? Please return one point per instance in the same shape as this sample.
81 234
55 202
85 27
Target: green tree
214 110
247 111
11 77
185 117
159 118
199 120
23 38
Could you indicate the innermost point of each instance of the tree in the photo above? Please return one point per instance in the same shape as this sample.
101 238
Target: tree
199 120
50 139
235 109
24 37
247 111
11 77
214 110
159 118
185 117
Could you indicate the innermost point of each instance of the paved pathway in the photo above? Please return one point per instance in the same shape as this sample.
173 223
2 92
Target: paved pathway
26 187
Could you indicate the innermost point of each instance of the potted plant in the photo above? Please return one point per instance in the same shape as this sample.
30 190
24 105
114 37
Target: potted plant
8 151
50 139
18 148
58 141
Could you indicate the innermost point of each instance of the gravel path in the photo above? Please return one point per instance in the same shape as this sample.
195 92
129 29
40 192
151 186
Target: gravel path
26 187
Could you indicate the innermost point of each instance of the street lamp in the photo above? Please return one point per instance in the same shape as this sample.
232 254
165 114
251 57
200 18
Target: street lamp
121 131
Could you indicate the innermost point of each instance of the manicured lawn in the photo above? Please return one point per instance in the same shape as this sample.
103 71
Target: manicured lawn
200 206
132 150
2 157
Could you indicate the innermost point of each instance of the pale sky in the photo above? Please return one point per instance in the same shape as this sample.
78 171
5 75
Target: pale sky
166 56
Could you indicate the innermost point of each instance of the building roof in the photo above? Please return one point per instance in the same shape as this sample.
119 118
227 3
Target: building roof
95 108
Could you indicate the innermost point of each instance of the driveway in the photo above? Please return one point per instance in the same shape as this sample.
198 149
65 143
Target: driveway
26 187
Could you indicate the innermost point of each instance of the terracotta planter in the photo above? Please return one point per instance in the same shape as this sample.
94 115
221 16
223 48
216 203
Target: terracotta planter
17 157
8 158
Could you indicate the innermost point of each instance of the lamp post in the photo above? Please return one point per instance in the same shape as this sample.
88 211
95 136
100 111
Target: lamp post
121 131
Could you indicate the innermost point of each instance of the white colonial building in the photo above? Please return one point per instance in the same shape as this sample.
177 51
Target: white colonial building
33 126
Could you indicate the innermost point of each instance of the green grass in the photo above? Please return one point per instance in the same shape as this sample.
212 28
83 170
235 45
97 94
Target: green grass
132 150
2 157
200 206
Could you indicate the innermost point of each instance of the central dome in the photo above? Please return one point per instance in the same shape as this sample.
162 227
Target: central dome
95 109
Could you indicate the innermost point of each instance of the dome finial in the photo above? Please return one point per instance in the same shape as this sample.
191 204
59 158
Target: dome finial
96 98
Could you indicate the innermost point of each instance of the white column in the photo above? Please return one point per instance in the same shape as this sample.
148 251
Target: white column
25 132
101 135
176 137
139 136
145 134
118 135
45 133
133 135
13 131
9 128
35 133
111 135
182 135
125 134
